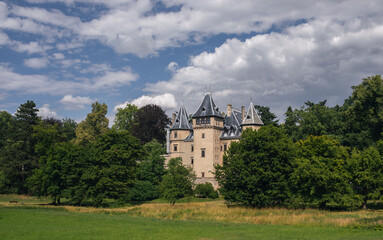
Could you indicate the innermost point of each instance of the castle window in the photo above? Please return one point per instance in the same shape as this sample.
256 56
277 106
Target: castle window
175 135
203 121
175 146
224 147
203 152
192 148
207 120
198 122
221 148
203 135
192 161
202 174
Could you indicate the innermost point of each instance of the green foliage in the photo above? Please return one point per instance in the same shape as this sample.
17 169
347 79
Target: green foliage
150 123
205 190
59 172
152 167
95 124
177 182
143 191
69 128
366 168
267 117
256 170
320 175
6 121
315 119
364 113
17 156
125 118
111 170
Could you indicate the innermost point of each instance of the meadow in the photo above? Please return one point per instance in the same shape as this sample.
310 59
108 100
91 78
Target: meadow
35 219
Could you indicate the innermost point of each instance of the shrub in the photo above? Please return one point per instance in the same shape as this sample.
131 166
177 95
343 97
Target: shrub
205 190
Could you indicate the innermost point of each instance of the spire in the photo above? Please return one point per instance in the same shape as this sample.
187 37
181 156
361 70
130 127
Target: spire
207 108
251 117
182 120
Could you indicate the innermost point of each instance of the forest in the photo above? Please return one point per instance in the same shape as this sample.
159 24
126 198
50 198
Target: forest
319 156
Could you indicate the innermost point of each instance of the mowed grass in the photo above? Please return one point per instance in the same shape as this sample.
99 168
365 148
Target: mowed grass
28 222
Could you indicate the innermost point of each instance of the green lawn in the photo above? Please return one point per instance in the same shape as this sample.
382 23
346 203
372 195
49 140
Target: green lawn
56 223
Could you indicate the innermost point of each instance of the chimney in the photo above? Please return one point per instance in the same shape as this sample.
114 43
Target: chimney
229 109
243 112
173 118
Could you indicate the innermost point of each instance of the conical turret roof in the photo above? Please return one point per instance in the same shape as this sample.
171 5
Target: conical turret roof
251 117
207 108
182 120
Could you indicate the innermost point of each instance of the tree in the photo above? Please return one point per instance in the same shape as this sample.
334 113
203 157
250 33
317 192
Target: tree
366 168
267 117
151 122
69 128
6 121
95 124
320 175
111 171
315 119
149 173
177 182
125 118
60 171
364 113
18 158
255 171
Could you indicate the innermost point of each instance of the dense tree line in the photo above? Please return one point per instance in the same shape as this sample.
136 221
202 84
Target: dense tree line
319 157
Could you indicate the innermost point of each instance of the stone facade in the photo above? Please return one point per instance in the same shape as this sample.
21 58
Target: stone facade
202 141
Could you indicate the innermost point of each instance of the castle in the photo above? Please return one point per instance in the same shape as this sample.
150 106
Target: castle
202 143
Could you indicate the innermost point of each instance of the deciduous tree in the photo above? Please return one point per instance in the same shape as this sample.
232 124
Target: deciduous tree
256 170
177 182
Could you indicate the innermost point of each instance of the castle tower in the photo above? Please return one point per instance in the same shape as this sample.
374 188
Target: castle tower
207 128
251 119
181 143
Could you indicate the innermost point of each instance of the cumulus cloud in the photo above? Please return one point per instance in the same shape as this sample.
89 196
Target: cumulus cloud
31 47
166 101
74 103
36 62
41 84
46 112
4 39
314 61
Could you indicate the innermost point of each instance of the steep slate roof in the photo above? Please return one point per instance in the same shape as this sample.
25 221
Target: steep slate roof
232 125
251 117
182 120
207 108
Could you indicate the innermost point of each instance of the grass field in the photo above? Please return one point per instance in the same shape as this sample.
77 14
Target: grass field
196 220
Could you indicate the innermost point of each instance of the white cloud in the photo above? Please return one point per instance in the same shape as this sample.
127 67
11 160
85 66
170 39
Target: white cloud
4 39
36 62
166 101
41 84
31 47
115 78
314 61
46 112
74 103
59 56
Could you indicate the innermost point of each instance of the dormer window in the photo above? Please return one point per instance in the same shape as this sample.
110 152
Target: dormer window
203 109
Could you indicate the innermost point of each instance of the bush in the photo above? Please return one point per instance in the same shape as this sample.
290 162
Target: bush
143 191
205 190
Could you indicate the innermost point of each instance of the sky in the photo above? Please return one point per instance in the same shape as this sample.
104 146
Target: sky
66 54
